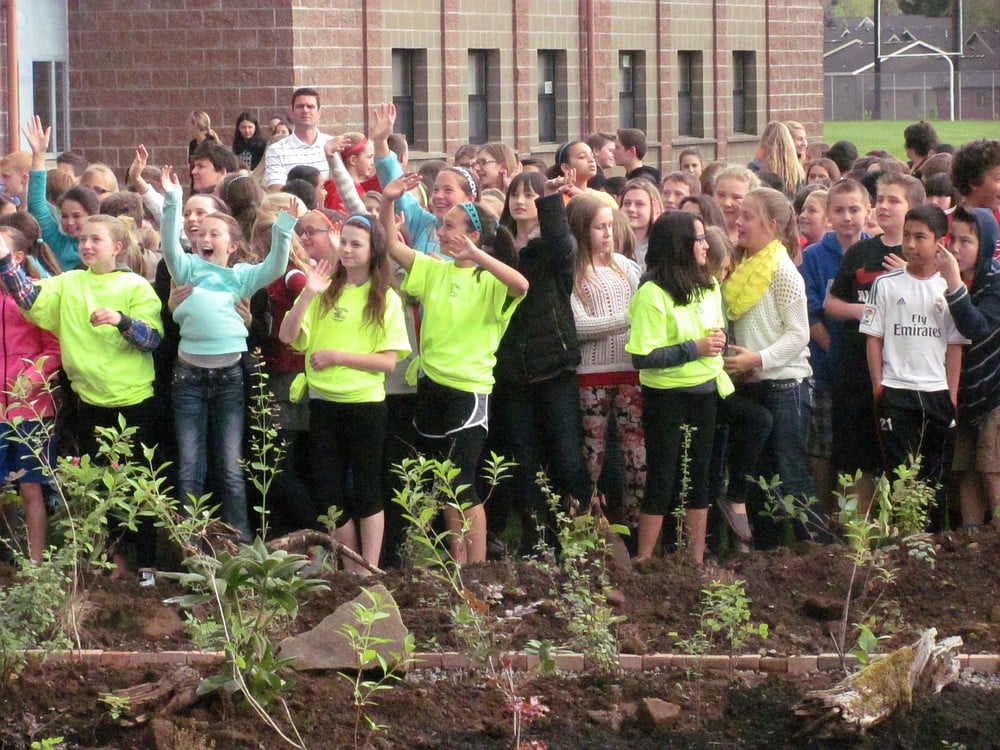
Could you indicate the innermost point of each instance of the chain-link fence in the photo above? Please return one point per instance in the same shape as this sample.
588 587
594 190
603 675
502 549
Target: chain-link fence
913 96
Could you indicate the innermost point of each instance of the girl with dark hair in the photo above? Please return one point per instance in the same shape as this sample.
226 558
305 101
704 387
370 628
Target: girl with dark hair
208 387
577 157
249 144
536 406
243 196
467 307
676 341
706 208
351 328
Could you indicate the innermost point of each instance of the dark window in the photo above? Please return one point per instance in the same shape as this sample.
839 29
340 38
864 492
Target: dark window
51 101
744 92
479 98
547 84
626 89
409 94
690 119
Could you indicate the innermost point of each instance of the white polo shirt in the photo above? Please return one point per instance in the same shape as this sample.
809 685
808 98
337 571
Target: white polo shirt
291 152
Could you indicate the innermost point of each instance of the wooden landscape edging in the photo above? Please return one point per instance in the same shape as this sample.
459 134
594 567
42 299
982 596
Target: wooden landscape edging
566 662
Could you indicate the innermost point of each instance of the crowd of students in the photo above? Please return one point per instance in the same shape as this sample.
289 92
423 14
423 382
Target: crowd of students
650 342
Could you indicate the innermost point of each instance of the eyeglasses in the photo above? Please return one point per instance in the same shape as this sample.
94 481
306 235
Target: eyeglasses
310 231
480 163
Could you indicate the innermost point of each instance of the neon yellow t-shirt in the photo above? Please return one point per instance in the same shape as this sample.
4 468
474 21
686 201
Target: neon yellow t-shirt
103 368
657 322
343 328
465 316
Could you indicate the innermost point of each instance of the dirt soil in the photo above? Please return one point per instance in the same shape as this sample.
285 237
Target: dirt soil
795 591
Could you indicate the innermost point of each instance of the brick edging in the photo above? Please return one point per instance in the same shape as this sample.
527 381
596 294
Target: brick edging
567 662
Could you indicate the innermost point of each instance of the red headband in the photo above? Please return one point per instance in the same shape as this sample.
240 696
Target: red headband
356 148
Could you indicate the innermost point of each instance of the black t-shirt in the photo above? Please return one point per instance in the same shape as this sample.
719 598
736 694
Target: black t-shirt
860 266
650 173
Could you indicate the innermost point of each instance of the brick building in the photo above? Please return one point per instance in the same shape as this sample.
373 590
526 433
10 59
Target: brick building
530 73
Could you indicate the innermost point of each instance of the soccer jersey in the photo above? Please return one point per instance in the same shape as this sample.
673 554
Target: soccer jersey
911 317
344 328
465 316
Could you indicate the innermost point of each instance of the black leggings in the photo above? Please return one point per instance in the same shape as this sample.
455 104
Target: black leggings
664 412
345 450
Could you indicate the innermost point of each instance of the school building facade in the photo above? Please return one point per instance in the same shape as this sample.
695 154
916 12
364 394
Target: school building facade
108 74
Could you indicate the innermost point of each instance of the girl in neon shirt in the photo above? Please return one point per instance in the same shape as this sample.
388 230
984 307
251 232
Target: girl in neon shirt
467 306
352 331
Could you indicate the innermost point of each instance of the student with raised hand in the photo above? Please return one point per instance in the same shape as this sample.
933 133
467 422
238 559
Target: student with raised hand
75 205
578 158
467 307
536 405
352 172
208 390
107 320
31 354
349 323
676 340
452 186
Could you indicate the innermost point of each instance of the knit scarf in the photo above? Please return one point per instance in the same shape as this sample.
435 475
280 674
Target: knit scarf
751 278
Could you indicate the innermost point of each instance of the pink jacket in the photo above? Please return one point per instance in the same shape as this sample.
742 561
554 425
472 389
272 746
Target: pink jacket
23 344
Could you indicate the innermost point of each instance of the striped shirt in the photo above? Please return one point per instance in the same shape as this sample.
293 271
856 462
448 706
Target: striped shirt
291 152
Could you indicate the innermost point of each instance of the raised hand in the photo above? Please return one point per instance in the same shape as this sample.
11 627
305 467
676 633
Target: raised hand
37 136
562 183
318 277
168 179
384 119
335 145
138 164
461 248
400 185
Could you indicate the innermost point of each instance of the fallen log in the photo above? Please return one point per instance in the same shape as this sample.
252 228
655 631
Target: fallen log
172 693
874 693
302 540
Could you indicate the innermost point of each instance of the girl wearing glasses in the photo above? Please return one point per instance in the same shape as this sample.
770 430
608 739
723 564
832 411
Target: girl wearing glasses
495 165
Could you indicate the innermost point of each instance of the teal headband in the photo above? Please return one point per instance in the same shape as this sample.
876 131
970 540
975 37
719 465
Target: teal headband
470 209
363 219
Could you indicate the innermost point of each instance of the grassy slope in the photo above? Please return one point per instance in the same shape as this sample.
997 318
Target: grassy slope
888 134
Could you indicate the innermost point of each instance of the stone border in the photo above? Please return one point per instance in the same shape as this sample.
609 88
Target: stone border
566 662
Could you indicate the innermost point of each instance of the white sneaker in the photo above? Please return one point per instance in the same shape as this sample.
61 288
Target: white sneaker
146 577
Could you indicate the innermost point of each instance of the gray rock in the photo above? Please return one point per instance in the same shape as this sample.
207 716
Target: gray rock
325 646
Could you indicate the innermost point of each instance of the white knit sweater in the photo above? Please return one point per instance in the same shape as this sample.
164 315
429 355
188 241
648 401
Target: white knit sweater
600 308
778 328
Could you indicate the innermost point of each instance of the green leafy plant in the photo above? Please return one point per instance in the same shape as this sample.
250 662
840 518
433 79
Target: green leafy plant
679 513
49 743
725 616
581 596
266 448
365 645
116 705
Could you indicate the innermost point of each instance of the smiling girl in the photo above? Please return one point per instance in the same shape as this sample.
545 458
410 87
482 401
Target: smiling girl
107 320
642 205
731 186
351 328
467 307
208 392
452 186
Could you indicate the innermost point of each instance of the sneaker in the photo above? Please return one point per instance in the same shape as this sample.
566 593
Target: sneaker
738 522
146 577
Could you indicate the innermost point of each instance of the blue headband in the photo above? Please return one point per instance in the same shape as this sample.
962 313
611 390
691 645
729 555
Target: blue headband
468 178
561 151
363 219
470 209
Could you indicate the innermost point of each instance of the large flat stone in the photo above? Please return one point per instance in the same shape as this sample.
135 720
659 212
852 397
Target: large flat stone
325 646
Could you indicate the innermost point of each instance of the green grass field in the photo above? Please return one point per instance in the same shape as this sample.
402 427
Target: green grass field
888 134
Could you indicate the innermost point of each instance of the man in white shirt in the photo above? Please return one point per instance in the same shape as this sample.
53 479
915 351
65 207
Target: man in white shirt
303 146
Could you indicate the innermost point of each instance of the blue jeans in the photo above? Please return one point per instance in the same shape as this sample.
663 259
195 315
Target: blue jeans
208 415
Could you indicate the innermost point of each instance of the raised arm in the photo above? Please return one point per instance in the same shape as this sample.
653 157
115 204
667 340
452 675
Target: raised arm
177 261
398 251
346 188
463 248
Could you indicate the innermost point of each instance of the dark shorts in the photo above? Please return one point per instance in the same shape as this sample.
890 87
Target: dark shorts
855 429
26 450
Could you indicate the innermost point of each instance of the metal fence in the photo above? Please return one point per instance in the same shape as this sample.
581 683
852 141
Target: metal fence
913 96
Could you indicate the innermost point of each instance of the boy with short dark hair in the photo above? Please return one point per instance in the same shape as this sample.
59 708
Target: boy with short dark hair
975 173
920 140
973 280
915 356
855 439
847 208
630 148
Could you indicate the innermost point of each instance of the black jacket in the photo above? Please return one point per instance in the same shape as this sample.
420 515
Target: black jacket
540 341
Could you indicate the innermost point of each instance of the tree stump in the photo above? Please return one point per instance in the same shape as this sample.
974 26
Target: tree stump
172 693
872 694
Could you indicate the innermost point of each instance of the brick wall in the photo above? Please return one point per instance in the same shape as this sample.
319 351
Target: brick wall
137 71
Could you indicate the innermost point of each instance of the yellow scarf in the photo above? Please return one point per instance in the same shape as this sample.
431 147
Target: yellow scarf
751 278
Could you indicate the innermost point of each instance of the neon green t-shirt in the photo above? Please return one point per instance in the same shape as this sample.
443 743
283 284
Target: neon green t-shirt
343 328
657 322
465 316
103 368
